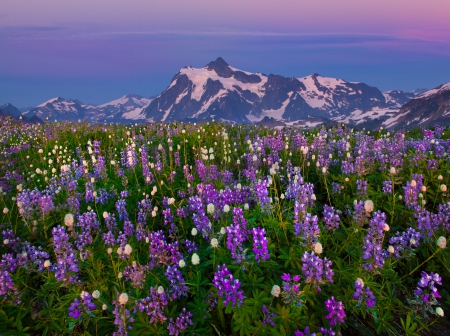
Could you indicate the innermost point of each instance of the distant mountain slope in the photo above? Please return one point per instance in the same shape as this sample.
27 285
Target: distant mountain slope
11 110
428 108
128 107
223 92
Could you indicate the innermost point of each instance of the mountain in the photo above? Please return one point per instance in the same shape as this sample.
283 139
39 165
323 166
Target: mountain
428 108
11 110
123 109
220 91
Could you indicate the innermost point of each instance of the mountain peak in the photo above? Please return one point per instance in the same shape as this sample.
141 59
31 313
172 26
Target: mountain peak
220 67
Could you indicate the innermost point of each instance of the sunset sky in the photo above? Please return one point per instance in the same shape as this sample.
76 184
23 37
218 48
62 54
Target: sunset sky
97 51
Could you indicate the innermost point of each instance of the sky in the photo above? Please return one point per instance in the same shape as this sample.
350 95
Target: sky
97 51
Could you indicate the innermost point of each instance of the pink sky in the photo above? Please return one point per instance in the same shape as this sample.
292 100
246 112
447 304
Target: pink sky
397 17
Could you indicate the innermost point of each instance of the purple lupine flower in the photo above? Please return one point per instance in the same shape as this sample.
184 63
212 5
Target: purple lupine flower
268 316
327 332
162 253
83 306
177 287
181 324
260 244
427 223
122 315
305 332
330 217
292 295
66 260
405 242
335 188
364 295
153 305
360 215
308 229
316 270
427 286
262 195
236 235
387 187
412 190
121 209
361 188
8 291
136 274
336 313
228 287
87 223
32 258
372 248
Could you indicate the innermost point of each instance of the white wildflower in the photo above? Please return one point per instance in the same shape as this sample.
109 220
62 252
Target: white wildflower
276 290
195 259
68 220
214 242
441 242
123 298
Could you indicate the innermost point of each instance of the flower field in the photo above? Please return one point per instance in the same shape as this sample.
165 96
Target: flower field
214 229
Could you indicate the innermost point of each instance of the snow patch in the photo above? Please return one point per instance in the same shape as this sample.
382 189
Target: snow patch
199 77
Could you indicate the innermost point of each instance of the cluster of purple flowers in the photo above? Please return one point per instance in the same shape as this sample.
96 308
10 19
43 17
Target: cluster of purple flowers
412 191
336 312
236 235
360 215
331 217
387 187
292 295
372 247
83 306
364 295
181 323
260 243
66 260
405 242
122 318
268 317
316 270
153 305
308 229
228 287
177 287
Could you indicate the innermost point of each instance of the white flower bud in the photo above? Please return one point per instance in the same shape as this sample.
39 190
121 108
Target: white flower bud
439 311
123 298
214 242
441 242
47 263
96 294
368 206
182 263
318 248
194 231
391 249
276 290
226 208
68 220
160 289
128 249
195 259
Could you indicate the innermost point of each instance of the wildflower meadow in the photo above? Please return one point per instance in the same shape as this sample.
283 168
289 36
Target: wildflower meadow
218 229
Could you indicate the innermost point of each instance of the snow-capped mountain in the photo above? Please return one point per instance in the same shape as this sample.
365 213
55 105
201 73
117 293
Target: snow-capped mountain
11 110
126 108
223 92
428 108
